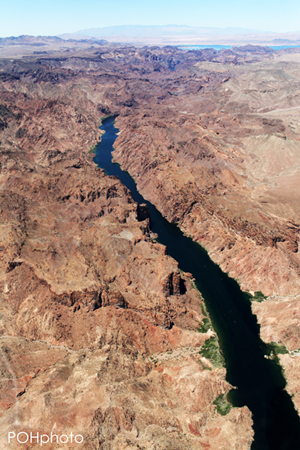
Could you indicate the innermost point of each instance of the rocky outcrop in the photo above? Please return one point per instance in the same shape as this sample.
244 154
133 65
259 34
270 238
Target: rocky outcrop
203 186
223 162
110 339
99 328
279 323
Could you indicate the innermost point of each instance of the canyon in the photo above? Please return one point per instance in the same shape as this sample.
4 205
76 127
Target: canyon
99 327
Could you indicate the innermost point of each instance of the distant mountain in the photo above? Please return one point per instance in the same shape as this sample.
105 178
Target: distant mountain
27 40
279 41
30 40
166 30
141 35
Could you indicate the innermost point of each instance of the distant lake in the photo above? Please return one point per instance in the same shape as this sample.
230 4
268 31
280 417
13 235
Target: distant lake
220 47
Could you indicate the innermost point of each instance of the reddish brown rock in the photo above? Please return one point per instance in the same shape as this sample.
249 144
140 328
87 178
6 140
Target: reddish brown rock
79 273
279 319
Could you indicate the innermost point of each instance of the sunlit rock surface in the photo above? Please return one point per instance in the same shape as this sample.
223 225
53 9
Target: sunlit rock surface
97 338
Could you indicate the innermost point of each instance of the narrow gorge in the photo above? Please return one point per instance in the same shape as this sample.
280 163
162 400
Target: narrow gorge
103 332
258 380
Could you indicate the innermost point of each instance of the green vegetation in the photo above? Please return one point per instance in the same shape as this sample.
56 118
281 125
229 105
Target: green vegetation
205 325
154 360
274 349
93 149
206 322
223 406
193 284
258 297
277 349
211 350
204 310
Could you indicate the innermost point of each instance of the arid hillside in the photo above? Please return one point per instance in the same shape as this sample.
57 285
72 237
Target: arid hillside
98 335
99 328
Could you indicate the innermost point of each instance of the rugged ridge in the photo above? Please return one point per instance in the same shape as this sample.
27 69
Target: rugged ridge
223 162
212 139
99 328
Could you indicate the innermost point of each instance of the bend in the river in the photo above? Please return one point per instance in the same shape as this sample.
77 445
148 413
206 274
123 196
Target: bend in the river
259 381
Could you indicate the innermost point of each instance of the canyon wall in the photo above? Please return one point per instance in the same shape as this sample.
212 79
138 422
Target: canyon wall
99 328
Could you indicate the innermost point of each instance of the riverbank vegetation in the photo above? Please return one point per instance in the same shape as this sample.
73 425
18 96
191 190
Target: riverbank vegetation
93 149
222 404
205 325
258 297
211 350
274 349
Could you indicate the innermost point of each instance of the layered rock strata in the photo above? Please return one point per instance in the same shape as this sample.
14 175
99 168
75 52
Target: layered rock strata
99 328
223 162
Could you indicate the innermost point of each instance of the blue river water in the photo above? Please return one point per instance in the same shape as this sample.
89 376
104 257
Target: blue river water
259 381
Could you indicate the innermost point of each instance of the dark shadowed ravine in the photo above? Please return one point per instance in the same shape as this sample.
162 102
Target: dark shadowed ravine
259 381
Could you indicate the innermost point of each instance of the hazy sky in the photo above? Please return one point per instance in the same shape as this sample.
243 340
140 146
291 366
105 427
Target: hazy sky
52 17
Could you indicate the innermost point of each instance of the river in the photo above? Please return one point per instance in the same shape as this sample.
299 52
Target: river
259 381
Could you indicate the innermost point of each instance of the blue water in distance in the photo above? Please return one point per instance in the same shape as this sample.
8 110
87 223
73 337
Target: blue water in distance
259 381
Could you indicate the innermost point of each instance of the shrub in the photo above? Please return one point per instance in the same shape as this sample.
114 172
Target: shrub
258 297
223 406
93 149
211 350
205 325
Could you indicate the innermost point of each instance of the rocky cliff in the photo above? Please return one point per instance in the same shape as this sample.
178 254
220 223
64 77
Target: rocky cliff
218 153
99 328
223 160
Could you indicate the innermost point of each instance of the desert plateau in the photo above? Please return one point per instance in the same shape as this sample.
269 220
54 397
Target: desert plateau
103 333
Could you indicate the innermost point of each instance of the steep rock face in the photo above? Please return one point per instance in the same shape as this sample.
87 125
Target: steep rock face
285 332
97 336
87 297
223 162
201 181
124 401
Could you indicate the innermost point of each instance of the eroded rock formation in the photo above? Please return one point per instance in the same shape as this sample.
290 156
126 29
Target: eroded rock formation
97 337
